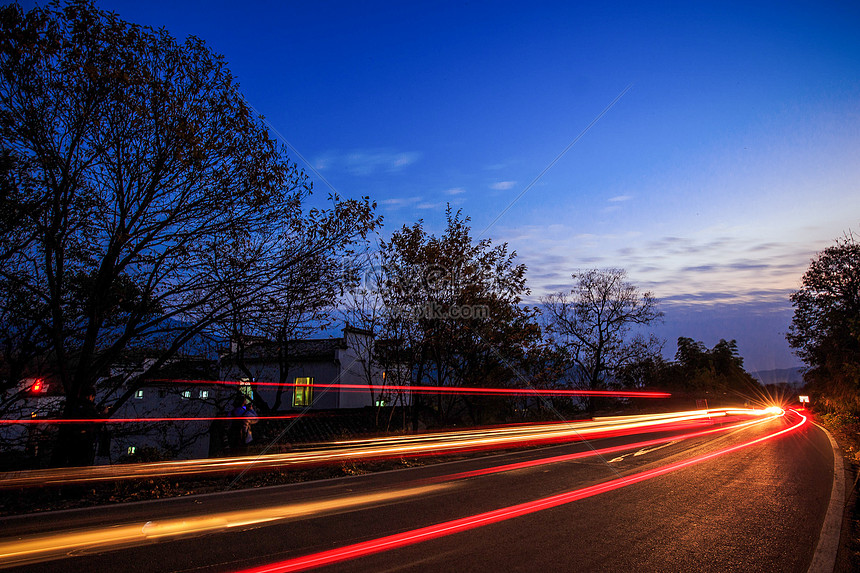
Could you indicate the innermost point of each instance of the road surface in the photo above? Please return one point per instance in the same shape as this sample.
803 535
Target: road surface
694 498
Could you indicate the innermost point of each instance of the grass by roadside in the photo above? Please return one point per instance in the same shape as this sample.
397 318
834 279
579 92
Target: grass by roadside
846 431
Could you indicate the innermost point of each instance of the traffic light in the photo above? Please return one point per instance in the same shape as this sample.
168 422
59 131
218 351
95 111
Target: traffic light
38 387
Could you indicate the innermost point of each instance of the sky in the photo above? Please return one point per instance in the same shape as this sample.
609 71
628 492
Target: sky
710 150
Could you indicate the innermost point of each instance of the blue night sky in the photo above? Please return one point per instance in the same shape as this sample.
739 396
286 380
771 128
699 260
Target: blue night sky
732 158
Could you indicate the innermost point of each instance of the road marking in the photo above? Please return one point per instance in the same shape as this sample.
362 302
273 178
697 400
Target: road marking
641 452
644 451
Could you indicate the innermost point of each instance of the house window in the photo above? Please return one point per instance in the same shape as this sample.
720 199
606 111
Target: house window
245 388
131 450
303 394
138 394
186 393
204 393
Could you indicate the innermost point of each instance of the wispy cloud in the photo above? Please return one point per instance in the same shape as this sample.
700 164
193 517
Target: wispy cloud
620 198
399 202
503 185
710 267
455 191
429 205
366 162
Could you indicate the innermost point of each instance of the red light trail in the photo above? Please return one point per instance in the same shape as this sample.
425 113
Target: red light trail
467 523
391 447
131 420
597 452
19 550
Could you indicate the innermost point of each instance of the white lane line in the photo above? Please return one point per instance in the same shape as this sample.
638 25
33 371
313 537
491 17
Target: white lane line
644 451
824 559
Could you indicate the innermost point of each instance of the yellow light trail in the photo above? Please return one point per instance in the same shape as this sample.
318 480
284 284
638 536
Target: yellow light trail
23 550
378 448
42 547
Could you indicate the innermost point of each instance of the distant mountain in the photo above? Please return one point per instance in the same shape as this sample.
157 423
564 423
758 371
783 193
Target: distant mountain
792 376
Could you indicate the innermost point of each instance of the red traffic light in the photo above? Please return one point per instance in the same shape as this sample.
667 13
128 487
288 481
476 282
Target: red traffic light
38 386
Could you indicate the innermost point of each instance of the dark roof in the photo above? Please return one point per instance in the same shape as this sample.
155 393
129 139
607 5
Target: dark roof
312 350
355 329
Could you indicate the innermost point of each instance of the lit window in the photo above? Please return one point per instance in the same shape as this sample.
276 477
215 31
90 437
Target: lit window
131 450
304 393
138 394
186 393
204 393
245 388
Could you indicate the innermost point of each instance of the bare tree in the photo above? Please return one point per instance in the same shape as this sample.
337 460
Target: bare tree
319 266
592 325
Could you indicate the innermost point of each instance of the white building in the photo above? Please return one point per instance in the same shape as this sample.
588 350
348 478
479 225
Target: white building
314 373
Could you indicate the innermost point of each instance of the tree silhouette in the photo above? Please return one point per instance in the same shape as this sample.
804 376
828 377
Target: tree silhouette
825 329
592 325
143 203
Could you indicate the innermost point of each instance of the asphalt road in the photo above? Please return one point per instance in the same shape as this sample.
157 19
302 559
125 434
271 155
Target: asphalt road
759 508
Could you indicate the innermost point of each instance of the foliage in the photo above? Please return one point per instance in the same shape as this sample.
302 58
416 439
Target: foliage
825 329
699 369
593 326
143 204
454 313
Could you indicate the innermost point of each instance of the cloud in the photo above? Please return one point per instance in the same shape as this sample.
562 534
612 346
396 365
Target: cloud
455 191
777 298
366 162
399 202
699 270
503 185
554 288
620 198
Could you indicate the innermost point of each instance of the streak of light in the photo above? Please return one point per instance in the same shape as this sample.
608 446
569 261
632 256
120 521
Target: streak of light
55 545
378 449
579 426
438 389
472 522
134 420
598 452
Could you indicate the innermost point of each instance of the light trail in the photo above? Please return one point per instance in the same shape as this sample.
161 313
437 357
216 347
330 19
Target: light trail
34 549
39 548
472 522
135 420
346 388
471 390
378 449
597 452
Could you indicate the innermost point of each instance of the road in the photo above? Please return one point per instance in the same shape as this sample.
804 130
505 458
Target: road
697 497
